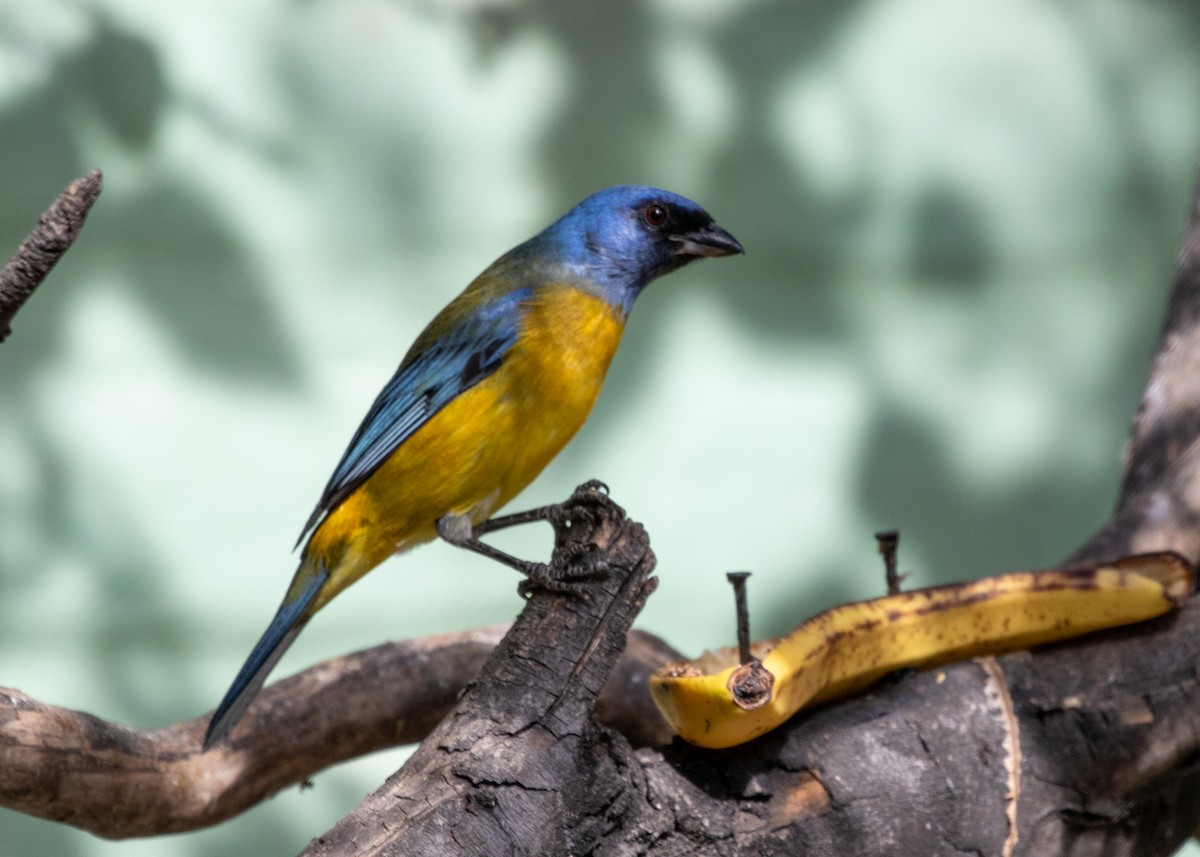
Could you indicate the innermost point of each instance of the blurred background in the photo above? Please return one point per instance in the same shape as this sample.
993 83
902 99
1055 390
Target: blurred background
960 222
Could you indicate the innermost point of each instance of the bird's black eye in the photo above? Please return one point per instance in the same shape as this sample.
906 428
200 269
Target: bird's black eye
654 214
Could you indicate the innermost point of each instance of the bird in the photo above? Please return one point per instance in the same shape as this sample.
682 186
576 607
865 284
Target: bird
486 396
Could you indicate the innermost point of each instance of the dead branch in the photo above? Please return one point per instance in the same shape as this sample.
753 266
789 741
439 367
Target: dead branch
54 234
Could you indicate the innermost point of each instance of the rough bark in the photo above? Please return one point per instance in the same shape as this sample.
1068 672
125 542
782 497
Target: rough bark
54 234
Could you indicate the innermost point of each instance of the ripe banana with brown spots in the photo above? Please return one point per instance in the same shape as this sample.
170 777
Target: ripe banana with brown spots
716 702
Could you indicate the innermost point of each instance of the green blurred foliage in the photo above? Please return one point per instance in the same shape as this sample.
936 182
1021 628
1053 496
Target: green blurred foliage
960 219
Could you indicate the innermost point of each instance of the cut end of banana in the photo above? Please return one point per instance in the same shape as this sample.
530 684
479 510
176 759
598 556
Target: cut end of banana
714 701
751 685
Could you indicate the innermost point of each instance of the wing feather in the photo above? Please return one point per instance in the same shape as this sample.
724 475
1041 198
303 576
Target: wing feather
459 357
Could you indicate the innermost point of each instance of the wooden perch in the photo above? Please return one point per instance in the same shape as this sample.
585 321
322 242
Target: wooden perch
54 234
1085 748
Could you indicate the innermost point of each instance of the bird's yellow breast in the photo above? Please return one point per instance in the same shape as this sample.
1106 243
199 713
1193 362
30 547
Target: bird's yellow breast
487 444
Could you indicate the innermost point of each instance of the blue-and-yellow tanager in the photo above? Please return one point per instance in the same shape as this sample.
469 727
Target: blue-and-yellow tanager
491 390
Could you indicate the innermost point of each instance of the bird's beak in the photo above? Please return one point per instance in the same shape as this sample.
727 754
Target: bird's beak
709 240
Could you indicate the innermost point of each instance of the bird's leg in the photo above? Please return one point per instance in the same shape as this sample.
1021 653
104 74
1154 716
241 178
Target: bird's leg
460 532
529 516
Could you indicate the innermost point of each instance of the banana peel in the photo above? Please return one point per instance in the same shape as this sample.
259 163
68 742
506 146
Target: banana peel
716 702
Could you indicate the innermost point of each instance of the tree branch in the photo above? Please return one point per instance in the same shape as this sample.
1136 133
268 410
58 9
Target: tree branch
1159 506
55 232
120 782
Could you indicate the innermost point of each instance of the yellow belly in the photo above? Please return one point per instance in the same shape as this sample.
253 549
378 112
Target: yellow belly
481 449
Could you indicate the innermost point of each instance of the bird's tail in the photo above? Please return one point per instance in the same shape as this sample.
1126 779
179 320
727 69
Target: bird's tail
291 617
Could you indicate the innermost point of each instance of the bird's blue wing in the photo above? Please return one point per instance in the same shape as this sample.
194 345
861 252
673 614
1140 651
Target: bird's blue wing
470 349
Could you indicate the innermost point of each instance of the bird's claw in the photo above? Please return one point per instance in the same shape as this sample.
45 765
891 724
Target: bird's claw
581 504
593 486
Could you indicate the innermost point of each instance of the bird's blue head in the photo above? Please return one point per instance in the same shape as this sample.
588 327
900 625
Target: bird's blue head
618 240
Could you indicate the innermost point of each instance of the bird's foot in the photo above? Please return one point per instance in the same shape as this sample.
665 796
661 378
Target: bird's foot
569 574
575 563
